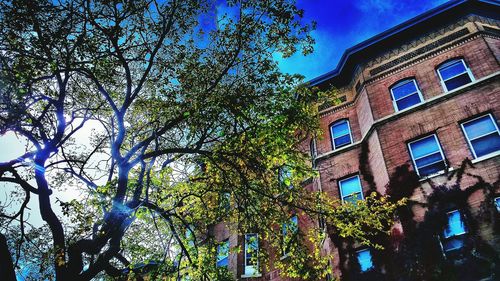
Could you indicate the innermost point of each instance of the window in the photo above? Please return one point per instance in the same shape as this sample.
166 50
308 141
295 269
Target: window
288 230
365 259
223 254
427 155
341 133
454 74
350 189
405 94
482 135
251 254
497 203
313 151
453 232
285 176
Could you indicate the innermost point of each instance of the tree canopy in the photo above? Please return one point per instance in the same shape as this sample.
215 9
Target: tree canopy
190 120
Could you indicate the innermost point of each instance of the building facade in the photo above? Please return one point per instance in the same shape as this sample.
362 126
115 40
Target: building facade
419 118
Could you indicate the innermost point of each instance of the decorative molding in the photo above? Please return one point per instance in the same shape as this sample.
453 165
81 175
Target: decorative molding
422 50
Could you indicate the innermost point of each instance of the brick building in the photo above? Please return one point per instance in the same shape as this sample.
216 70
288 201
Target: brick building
418 100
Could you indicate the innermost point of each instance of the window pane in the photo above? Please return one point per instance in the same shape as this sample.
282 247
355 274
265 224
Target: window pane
497 203
486 144
365 260
430 159
424 146
353 198
452 70
342 141
408 101
479 127
453 244
455 225
404 90
222 254
340 129
349 186
252 247
457 81
432 169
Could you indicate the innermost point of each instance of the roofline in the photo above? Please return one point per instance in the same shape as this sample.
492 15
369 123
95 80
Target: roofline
348 55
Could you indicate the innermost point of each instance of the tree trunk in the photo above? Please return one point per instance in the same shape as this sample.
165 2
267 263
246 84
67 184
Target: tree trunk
6 265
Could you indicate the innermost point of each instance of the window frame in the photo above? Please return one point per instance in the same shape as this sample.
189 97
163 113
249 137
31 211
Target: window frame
461 235
448 63
252 269
471 147
414 161
333 138
347 178
313 149
401 83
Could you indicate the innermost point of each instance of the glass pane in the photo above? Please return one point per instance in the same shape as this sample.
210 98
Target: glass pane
252 247
451 70
345 140
350 186
497 203
486 144
365 260
222 254
404 90
408 101
340 128
431 169
424 146
457 81
479 127
455 225
429 159
453 244
353 198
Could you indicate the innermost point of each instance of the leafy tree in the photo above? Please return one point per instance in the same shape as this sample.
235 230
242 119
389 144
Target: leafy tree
188 110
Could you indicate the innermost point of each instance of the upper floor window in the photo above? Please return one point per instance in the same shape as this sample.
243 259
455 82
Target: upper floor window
251 254
223 253
365 259
405 94
454 74
482 135
350 189
341 133
285 176
453 232
427 155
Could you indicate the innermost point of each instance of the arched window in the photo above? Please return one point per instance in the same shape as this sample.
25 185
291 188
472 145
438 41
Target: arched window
341 133
405 94
454 74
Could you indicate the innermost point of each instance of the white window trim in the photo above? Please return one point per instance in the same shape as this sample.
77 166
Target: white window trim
402 82
414 160
333 138
469 141
360 186
467 70
254 269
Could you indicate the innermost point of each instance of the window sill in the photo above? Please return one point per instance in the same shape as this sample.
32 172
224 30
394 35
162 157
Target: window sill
486 157
257 275
440 173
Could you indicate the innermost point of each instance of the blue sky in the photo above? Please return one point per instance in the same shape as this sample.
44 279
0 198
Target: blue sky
344 23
